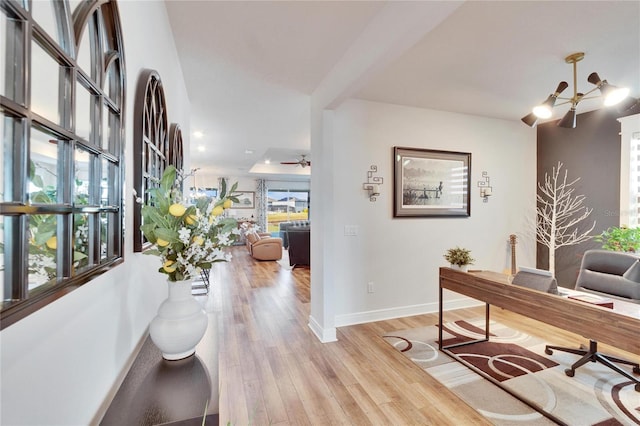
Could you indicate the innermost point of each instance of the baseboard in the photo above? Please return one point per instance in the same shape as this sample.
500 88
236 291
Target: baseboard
325 335
403 311
102 410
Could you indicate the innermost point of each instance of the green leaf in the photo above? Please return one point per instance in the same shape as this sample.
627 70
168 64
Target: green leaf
78 256
223 188
167 235
168 178
37 181
42 237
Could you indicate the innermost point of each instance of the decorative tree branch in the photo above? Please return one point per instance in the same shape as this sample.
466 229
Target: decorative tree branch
559 212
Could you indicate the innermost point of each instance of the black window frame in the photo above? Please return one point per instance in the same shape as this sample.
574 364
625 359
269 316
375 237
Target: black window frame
104 250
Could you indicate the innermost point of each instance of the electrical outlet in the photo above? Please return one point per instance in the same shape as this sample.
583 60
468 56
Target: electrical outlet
370 287
350 230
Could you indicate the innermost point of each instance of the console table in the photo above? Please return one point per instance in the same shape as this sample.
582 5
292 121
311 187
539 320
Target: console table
618 327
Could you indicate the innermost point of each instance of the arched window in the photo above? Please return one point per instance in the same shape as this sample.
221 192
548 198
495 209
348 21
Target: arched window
62 90
151 144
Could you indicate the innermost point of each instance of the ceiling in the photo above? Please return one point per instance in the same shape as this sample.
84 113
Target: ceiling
251 67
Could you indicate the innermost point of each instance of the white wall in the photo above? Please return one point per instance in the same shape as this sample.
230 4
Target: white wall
402 256
60 363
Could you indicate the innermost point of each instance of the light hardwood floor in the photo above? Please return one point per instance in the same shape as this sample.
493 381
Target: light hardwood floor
274 371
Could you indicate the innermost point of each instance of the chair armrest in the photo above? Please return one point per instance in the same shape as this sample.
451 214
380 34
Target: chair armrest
268 240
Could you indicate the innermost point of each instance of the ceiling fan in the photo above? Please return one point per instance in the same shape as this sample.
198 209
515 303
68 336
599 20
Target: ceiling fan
302 162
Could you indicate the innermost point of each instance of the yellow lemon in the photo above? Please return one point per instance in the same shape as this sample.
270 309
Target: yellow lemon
198 240
162 243
177 210
169 266
227 204
52 242
217 211
191 219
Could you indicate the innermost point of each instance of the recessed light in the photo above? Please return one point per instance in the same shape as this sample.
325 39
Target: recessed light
267 161
248 151
201 148
198 134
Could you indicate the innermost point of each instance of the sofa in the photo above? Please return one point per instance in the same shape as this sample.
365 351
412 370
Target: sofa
610 274
262 246
285 226
299 238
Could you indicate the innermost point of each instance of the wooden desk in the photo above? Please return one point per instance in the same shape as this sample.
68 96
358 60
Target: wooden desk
618 327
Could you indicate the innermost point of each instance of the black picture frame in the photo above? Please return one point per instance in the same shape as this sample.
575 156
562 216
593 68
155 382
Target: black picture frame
431 183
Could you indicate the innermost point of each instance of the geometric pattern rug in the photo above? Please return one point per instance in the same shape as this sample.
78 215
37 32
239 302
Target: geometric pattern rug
596 395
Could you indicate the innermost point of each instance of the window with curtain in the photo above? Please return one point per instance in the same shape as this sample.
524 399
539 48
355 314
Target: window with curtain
62 93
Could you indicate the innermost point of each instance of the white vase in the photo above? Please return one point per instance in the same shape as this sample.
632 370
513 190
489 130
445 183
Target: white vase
180 324
462 268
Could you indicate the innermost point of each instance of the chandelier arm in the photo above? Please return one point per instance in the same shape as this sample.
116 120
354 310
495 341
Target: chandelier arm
590 92
566 101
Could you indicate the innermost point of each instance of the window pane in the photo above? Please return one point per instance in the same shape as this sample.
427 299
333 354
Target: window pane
73 4
6 133
106 88
45 82
44 14
44 164
3 297
85 102
106 127
84 52
11 55
80 241
42 249
82 177
104 233
105 183
286 205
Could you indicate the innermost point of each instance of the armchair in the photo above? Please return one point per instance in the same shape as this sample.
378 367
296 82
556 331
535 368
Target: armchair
264 247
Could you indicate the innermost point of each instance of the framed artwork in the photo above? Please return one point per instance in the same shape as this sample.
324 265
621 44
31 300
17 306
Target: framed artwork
246 200
431 183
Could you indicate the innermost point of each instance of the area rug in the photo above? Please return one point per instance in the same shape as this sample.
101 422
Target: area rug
596 395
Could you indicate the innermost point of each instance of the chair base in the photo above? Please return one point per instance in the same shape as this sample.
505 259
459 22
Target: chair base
593 355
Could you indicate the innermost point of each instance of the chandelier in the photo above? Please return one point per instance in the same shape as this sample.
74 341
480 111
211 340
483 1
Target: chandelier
612 96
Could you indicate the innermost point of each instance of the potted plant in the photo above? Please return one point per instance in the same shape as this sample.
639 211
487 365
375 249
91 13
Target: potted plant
620 238
459 258
187 239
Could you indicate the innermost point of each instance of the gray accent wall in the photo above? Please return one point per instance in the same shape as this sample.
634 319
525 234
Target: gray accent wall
591 152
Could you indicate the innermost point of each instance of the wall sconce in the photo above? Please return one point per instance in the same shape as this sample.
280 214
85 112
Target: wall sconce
372 185
485 188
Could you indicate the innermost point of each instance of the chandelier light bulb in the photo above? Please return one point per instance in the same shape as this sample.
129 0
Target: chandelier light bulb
615 95
542 111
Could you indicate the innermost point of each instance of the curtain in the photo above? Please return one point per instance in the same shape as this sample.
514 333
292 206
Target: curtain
261 204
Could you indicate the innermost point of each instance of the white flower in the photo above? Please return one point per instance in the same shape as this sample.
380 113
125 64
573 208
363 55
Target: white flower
224 239
185 235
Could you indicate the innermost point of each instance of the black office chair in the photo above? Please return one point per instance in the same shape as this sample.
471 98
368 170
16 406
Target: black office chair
593 355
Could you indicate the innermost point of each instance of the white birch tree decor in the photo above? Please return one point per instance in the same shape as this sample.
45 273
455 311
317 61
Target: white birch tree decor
559 212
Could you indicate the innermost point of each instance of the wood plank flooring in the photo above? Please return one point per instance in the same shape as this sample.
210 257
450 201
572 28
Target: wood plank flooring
274 371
